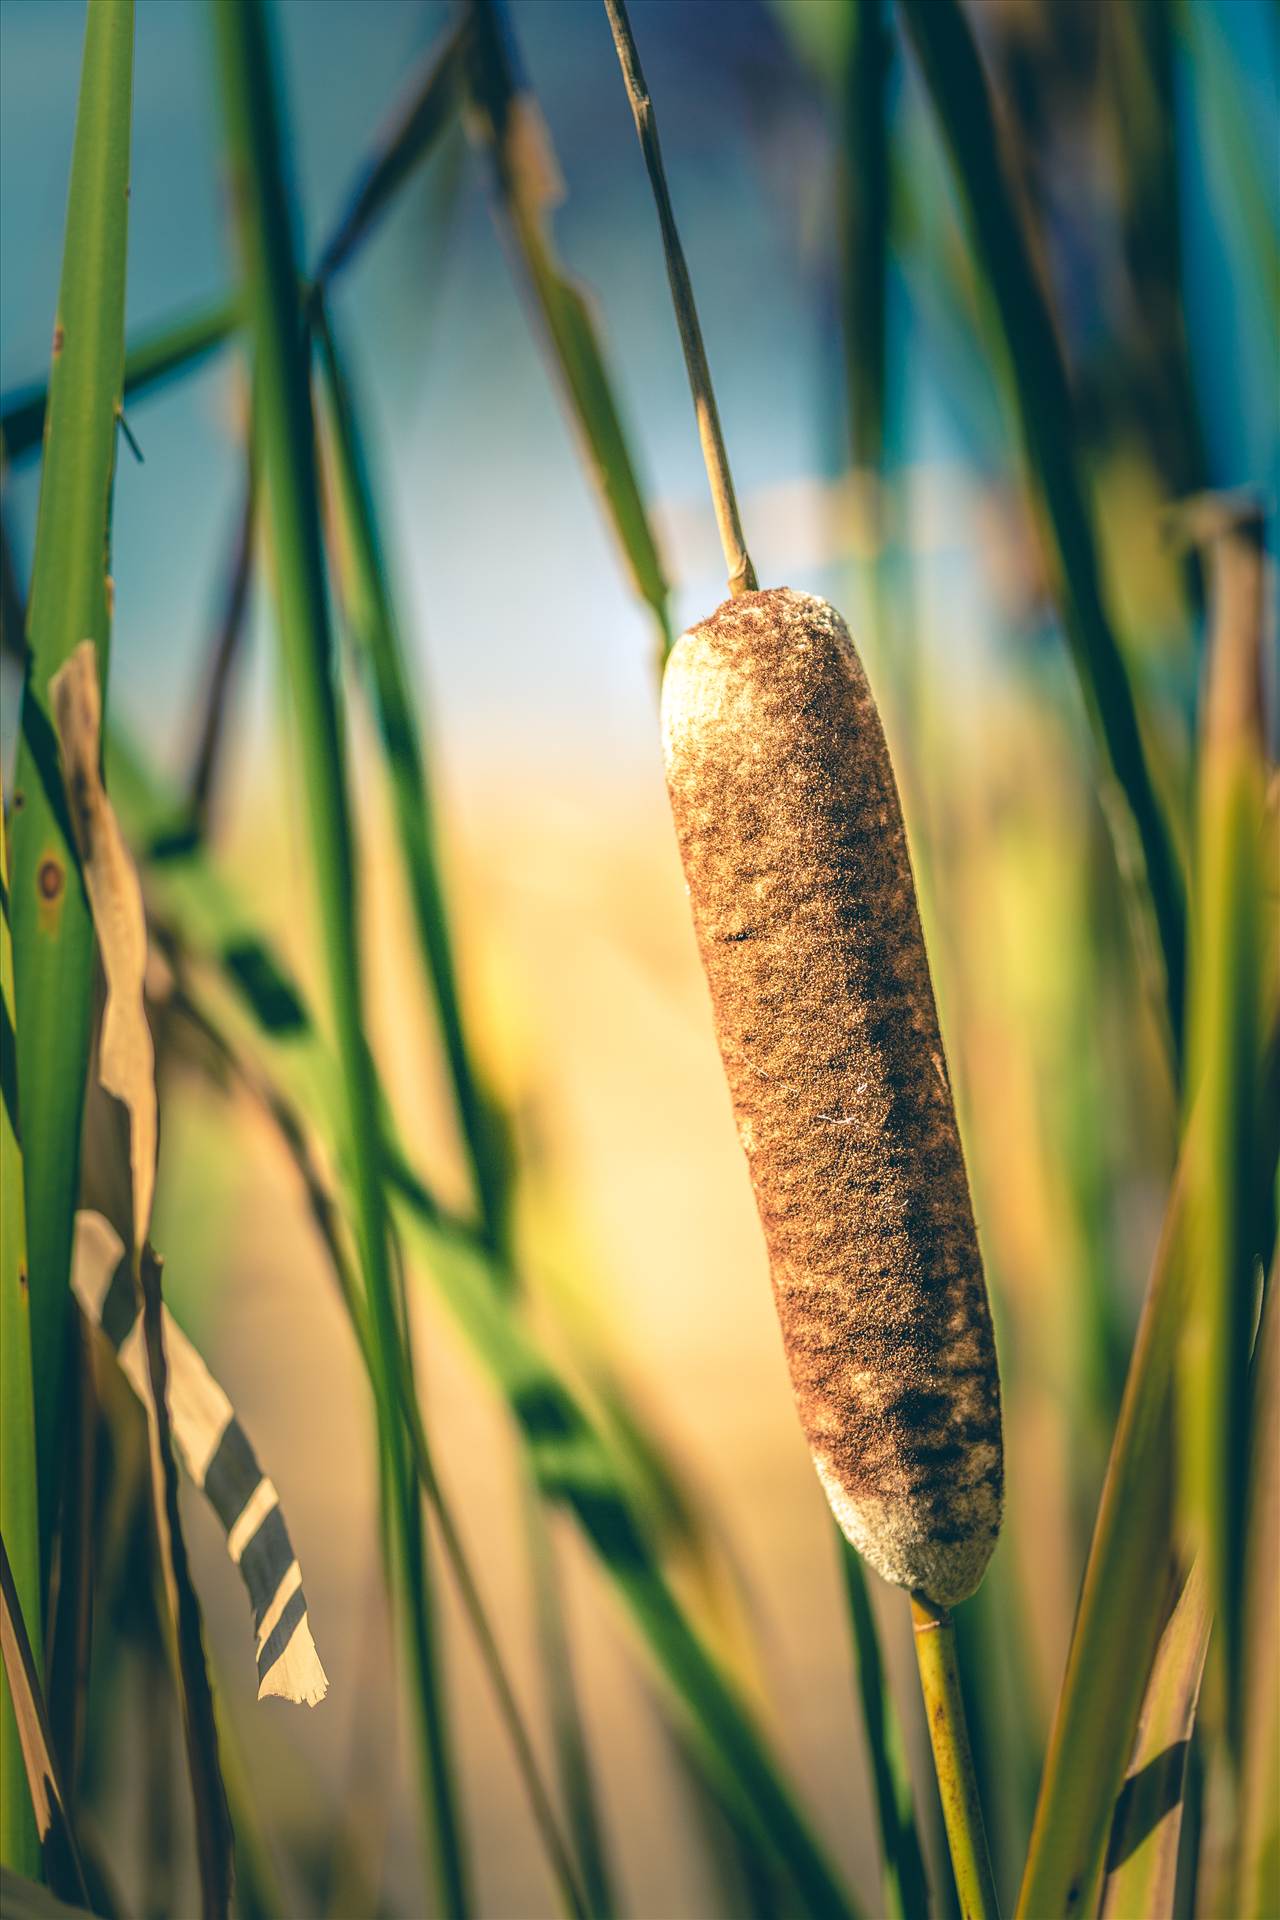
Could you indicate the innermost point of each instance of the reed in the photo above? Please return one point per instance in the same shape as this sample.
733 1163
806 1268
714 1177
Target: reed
1157 1779
69 601
288 462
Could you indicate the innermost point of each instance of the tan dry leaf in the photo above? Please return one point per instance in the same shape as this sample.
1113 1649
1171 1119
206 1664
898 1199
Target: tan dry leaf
126 1056
59 1855
535 174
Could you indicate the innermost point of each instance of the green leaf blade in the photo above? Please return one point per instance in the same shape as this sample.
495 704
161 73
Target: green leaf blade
70 602
19 1498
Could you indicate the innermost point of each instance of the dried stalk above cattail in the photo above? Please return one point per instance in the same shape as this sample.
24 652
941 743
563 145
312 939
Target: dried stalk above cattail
791 834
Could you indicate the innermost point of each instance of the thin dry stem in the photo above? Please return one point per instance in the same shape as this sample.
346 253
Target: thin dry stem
742 575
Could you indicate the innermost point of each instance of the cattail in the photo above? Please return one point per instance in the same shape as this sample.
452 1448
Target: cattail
791 834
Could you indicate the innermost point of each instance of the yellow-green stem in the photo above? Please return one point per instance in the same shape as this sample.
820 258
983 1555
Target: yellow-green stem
935 1643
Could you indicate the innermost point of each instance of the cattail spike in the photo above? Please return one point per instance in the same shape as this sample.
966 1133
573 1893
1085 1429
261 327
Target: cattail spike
791 834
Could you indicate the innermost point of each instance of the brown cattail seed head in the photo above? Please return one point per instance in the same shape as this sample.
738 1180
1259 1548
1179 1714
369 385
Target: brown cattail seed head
792 840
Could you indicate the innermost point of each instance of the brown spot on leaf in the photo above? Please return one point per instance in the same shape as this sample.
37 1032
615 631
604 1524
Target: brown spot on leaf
50 878
59 336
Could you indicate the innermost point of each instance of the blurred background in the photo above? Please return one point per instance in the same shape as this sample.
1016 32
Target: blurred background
878 464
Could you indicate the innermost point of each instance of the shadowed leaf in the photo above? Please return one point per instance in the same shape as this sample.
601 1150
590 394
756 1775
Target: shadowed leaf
60 1857
19 1508
1146 1828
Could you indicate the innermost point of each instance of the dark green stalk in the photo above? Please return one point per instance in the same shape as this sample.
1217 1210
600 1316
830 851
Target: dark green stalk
370 611
1046 414
905 1885
288 467
19 1499
864 203
556 1661
373 625
53 947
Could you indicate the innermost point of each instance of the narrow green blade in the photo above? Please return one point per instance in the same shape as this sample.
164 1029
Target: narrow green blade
70 601
1132 1575
367 598
961 98
412 131
274 312
905 1885
177 347
507 122
1224 1050
1257 1862
19 1502
1142 1854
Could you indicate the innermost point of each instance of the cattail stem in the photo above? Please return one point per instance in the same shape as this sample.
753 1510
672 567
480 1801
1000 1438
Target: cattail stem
935 1643
742 575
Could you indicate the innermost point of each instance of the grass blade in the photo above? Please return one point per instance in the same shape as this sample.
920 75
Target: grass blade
573 1466
225 652
19 1501
1142 1855
70 600
864 204
577 1790
60 1856
1139 98
961 97
177 347
905 1885
1131 1575
294 1136
288 468
412 130
570 1454
1257 1862
371 617
738 566
505 120
1224 1050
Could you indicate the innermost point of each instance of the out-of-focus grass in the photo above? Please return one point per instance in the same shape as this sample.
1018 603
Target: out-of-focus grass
283 393
954 74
